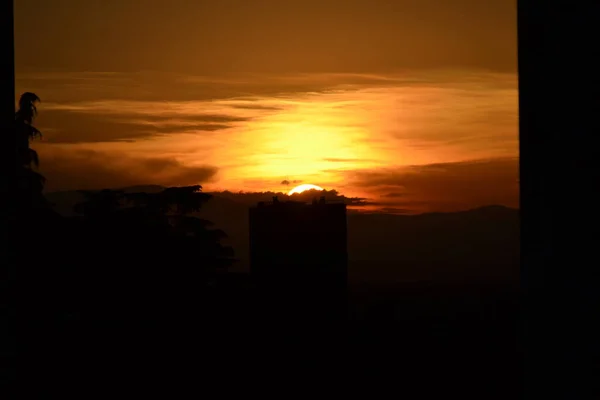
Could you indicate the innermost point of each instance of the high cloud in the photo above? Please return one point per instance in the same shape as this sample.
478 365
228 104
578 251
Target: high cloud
444 186
356 133
91 170
64 125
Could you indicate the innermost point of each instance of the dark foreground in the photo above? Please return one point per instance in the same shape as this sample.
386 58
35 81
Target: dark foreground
414 341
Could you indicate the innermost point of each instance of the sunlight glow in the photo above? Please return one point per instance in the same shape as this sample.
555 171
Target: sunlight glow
302 188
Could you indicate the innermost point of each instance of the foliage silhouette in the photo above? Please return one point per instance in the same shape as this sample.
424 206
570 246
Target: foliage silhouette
30 183
125 255
36 224
148 248
25 130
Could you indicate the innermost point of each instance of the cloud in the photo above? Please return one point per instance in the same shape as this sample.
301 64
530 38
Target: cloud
258 134
346 160
241 89
256 107
288 182
444 186
395 210
86 169
196 118
253 198
394 195
425 109
82 124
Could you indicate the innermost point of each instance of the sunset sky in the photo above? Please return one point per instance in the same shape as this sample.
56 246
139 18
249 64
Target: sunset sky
411 104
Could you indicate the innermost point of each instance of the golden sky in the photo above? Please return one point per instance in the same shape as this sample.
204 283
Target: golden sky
415 113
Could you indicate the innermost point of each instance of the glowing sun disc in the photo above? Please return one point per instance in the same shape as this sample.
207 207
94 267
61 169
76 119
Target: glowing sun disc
305 187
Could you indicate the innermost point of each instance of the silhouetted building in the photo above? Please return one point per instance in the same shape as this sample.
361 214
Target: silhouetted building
298 253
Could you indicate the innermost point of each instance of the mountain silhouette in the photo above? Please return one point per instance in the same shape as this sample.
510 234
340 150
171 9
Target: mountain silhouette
476 245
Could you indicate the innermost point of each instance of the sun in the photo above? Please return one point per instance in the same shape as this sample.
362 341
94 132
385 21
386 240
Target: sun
305 187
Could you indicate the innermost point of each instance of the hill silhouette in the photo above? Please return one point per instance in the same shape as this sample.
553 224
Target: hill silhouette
384 249
428 296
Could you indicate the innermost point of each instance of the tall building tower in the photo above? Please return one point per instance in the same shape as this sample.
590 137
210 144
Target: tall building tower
298 256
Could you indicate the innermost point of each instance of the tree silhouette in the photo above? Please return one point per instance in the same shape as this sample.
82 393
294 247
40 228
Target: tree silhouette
127 258
98 204
147 246
34 219
30 183
25 130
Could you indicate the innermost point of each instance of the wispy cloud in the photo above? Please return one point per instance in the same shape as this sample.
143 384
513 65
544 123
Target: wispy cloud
394 195
346 160
443 186
88 169
358 133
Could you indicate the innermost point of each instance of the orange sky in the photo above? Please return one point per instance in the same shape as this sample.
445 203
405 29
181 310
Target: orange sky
433 131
